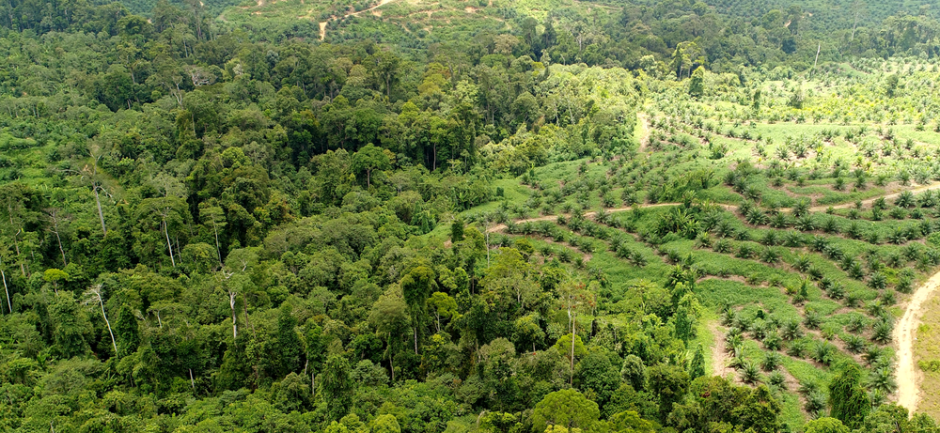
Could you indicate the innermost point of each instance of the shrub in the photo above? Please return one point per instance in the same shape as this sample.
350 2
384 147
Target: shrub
750 374
812 320
854 343
771 361
881 333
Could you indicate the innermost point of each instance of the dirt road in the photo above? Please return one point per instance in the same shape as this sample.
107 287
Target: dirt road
904 334
351 14
720 356
872 200
501 227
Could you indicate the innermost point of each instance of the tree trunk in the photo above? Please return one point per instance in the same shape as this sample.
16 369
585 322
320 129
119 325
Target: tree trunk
5 288
104 230
169 246
61 250
108 323
247 321
855 25
16 246
198 26
574 324
192 382
391 366
218 249
815 62
487 228
231 302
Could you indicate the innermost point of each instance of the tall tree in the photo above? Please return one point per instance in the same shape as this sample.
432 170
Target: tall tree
574 296
97 187
70 326
671 383
314 351
337 386
848 400
389 316
697 366
416 287
286 347
94 296
697 83
369 158
128 332
566 408
56 217
679 61
6 288
213 216
386 70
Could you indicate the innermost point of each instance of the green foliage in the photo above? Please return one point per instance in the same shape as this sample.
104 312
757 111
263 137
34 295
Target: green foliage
596 373
286 348
826 425
632 422
70 327
848 400
337 386
128 332
200 167
566 408
368 159
697 366
633 372
670 383
697 83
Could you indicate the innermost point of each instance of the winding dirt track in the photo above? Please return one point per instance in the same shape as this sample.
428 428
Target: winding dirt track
501 227
868 202
904 334
351 14
719 353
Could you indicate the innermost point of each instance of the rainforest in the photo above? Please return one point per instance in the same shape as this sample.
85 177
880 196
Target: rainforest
470 216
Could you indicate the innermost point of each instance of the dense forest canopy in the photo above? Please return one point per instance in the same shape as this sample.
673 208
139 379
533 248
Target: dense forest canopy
496 216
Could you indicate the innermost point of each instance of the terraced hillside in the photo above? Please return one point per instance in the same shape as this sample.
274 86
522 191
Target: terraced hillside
803 233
